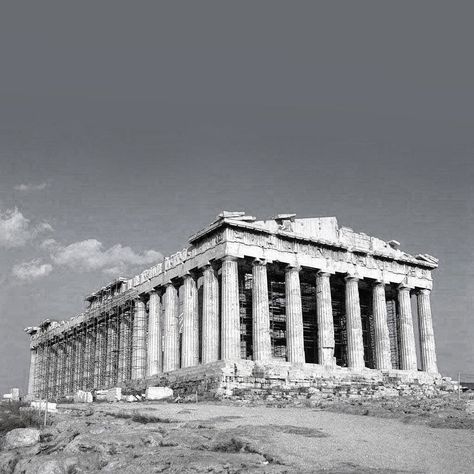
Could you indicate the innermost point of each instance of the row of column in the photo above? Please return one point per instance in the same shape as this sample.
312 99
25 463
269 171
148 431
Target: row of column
221 327
230 323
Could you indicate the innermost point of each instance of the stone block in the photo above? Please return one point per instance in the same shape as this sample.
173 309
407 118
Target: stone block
158 393
15 394
82 397
42 404
114 394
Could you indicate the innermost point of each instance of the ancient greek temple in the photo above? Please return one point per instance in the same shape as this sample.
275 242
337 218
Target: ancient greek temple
250 303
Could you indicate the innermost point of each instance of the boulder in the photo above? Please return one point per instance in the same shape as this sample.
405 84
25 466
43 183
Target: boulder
129 398
21 438
83 397
158 393
114 394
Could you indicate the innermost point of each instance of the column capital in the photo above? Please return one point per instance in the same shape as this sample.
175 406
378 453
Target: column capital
323 273
352 277
259 261
189 274
230 258
403 286
293 266
380 282
423 291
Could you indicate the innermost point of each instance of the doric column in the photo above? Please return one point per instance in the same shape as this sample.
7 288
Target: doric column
153 365
294 316
427 340
262 349
99 338
70 354
407 335
383 358
92 341
171 341
230 335
355 343
125 329
190 345
31 377
139 340
40 369
87 360
110 353
80 357
324 319
210 316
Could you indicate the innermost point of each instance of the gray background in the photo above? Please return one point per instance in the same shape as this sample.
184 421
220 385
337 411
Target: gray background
145 119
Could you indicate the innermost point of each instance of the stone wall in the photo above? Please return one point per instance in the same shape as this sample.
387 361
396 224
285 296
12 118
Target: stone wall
247 380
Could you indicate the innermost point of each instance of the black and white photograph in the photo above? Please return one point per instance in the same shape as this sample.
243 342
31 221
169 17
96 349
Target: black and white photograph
236 237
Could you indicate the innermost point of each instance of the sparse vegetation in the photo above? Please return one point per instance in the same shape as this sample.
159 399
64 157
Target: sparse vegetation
11 417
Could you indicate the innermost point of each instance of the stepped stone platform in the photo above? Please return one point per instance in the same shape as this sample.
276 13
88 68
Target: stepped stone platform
249 380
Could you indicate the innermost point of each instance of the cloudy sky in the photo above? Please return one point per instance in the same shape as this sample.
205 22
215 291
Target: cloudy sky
124 128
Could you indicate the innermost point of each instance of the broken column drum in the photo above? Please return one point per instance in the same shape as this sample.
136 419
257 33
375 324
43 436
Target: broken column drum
282 293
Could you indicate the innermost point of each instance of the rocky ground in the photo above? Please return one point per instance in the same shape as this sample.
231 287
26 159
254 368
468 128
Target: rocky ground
384 436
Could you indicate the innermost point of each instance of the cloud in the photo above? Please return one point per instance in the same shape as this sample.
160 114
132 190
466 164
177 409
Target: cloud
31 187
87 255
32 270
16 230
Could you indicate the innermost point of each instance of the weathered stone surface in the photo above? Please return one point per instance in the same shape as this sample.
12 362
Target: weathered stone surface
158 393
15 394
101 395
41 405
114 394
130 398
8 462
47 465
21 437
83 397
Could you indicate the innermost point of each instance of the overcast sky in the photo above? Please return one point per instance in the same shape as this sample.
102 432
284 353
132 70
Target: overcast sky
124 129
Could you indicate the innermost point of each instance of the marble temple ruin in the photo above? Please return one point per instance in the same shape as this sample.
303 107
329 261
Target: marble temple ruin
252 306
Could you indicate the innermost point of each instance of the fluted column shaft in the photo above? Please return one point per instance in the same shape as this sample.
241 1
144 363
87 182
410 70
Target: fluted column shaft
383 360
230 335
407 335
294 316
97 358
171 342
110 353
139 341
355 343
69 353
427 340
262 349
324 319
153 365
190 346
125 349
31 376
210 316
